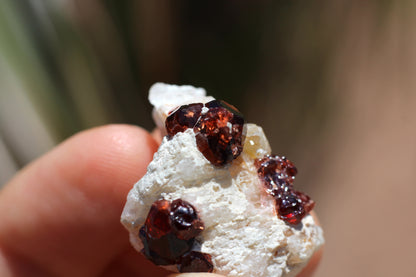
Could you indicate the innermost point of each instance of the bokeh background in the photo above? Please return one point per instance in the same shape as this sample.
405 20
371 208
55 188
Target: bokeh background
331 82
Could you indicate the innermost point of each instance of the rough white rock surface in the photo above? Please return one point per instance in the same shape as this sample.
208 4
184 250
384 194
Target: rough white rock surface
242 232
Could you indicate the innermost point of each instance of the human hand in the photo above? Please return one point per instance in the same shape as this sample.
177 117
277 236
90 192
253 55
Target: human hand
60 216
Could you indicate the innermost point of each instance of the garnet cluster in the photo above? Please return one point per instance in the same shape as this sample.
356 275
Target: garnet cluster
168 236
218 128
278 174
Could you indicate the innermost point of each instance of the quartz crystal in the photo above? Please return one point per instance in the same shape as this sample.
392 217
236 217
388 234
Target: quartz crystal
256 145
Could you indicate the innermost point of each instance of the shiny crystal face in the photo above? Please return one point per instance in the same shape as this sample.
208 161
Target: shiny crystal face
182 118
158 222
168 236
218 129
278 174
184 220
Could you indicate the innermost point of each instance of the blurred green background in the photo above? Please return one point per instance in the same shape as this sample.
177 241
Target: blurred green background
71 65
331 82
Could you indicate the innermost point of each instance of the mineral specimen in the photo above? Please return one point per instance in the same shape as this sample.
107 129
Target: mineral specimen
225 204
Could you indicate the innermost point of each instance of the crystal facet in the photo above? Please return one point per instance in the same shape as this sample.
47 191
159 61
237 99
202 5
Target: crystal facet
182 118
290 208
166 249
185 222
307 202
157 221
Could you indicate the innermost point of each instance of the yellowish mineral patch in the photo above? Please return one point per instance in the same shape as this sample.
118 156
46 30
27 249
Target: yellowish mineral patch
256 145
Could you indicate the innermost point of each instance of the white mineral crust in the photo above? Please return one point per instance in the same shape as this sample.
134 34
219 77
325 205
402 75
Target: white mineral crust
242 232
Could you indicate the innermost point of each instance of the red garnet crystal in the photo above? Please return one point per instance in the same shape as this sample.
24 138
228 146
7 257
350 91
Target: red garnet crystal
185 221
290 208
218 130
307 202
157 221
169 231
278 174
219 133
196 262
165 250
183 118
276 169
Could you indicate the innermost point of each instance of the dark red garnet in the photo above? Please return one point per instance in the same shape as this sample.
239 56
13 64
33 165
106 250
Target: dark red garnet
165 250
290 208
182 118
219 133
196 262
158 219
185 222
273 167
169 231
218 130
307 202
278 174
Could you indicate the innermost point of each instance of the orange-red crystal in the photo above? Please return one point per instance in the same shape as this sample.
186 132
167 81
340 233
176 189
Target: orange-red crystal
278 174
168 235
218 131
182 118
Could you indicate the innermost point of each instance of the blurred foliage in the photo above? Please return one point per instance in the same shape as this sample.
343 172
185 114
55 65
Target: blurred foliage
86 63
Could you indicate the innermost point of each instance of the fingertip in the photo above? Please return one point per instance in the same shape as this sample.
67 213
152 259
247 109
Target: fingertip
100 164
157 135
118 153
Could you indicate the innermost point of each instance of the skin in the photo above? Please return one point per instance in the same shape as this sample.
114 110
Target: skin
60 216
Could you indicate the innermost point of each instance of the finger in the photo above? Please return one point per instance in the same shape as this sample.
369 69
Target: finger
132 263
63 210
157 135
